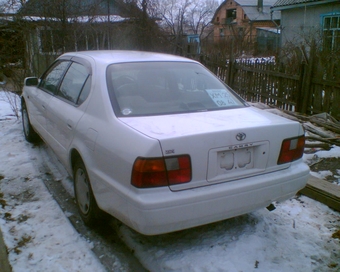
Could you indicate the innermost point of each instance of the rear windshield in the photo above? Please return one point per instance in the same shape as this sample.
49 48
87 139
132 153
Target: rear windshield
156 88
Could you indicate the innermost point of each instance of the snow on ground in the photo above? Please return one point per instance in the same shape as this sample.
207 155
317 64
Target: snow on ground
38 235
333 153
318 156
296 236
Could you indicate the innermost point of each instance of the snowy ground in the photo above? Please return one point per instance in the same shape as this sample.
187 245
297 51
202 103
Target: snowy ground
38 235
297 236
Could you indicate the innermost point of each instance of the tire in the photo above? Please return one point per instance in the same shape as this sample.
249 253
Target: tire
86 203
29 132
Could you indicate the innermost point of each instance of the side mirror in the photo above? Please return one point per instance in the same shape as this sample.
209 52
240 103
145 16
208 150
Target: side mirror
31 81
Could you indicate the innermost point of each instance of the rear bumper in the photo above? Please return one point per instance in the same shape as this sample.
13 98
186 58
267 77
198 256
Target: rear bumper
172 211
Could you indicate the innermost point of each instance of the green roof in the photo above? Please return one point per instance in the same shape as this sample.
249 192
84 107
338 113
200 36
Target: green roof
293 3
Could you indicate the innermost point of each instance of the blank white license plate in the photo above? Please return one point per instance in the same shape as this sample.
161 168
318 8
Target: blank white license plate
229 163
236 159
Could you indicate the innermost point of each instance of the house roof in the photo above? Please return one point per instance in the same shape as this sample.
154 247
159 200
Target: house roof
274 30
81 19
254 2
294 3
254 15
51 8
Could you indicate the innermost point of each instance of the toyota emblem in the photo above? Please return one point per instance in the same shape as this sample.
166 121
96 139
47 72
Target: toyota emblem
241 136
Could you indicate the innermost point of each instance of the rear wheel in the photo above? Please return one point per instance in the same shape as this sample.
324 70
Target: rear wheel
86 203
29 132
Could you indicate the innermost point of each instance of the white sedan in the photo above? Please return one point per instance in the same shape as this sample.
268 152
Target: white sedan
159 142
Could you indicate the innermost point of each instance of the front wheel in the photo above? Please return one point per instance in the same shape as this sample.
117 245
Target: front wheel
29 132
86 203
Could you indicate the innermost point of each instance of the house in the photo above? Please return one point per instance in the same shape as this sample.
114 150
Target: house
305 20
53 27
11 50
240 19
267 39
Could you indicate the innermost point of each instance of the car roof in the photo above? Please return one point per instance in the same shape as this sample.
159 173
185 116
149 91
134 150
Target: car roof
122 56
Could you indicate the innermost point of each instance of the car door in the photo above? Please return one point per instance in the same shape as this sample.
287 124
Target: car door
40 97
66 108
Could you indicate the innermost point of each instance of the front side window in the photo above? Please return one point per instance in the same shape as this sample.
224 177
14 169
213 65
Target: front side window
51 79
156 88
73 82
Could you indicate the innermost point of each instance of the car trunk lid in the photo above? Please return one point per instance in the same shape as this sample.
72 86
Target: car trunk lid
223 145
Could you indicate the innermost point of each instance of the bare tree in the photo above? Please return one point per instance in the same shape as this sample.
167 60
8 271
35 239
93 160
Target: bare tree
182 17
173 14
148 33
199 16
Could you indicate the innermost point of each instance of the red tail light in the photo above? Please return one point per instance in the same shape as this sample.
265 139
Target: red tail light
291 149
156 172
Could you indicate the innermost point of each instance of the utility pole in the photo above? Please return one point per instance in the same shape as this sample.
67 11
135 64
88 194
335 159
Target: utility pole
144 25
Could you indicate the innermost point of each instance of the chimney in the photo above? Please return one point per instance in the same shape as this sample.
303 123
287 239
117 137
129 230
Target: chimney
260 5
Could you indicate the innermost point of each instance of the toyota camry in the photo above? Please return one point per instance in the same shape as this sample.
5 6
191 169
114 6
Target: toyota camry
159 142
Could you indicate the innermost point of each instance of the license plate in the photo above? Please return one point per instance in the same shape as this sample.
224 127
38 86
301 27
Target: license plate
228 163
236 159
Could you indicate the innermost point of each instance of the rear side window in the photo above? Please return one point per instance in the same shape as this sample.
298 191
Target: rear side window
51 79
73 84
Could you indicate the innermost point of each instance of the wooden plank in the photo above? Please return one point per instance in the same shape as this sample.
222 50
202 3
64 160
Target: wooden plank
327 99
323 191
325 82
335 111
317 98
268 72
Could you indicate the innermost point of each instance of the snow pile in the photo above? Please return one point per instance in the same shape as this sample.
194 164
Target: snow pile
7 110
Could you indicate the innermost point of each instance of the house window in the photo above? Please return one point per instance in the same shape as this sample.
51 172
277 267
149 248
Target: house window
230 15
331 31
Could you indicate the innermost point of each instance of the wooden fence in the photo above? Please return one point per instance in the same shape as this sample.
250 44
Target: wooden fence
302 89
